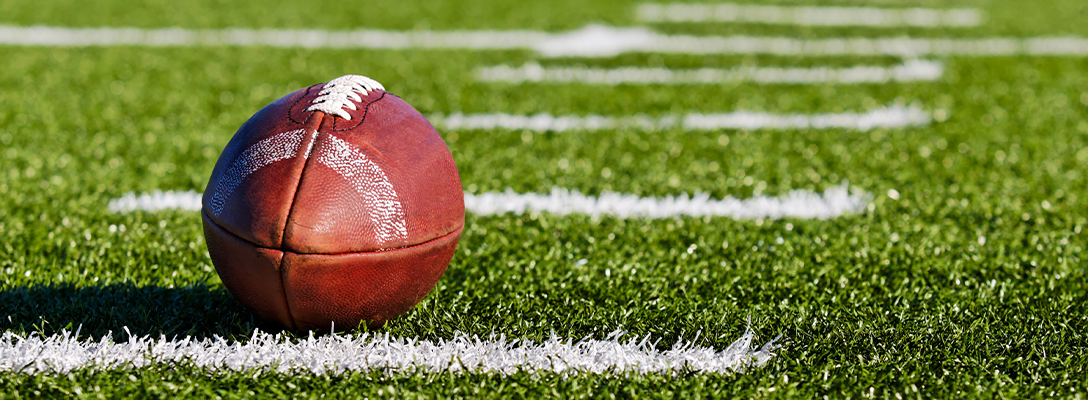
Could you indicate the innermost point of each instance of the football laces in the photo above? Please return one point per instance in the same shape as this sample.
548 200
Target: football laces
341 94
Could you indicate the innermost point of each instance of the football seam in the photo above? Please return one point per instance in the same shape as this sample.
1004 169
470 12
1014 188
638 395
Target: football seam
294 200
283 257
283 273
379 251
426 242
301 173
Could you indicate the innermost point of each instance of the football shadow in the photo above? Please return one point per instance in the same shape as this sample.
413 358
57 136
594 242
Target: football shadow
196 311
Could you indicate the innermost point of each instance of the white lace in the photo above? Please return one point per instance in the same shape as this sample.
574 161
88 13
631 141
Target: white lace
342 93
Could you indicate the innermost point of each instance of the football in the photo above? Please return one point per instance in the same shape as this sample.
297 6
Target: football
336 205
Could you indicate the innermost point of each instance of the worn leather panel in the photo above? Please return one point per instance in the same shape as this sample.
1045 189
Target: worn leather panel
251 273
372 286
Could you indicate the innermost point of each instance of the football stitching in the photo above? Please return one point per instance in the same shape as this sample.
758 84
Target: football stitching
366 110
341 94
290 116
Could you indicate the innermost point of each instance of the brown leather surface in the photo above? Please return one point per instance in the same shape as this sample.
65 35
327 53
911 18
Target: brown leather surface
374 286
366 194
260 214
251 273
419 167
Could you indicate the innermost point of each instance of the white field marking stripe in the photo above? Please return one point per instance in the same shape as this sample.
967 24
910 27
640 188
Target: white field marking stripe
157 201
591 41
335 354
896 116
909 71
365 38
832 203
602 41
810 16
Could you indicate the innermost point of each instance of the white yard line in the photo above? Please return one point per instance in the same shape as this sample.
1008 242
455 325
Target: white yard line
591 41
892 117
335 354
810 16
604 41
832 203
909 71
314 38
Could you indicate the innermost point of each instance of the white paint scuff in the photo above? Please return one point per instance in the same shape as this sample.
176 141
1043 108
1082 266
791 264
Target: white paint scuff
896 116
591 41
810 15
268 151
335 354
832 203
380 202
910 71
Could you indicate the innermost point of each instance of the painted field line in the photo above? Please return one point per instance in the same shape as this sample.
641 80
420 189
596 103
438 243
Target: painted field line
312 38
335 354
157 201
810 16
909 71
896 116
591 41
832 203
604 41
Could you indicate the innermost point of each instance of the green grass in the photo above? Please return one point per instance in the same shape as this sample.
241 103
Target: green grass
1003 17
905 298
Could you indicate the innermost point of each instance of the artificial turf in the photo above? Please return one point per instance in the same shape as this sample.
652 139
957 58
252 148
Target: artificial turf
970 282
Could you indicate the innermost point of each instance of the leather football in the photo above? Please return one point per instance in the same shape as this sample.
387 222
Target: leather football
338 203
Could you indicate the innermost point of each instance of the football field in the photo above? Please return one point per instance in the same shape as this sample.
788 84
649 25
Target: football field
783 198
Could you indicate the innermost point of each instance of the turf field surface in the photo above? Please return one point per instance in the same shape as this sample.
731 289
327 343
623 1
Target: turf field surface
964 276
